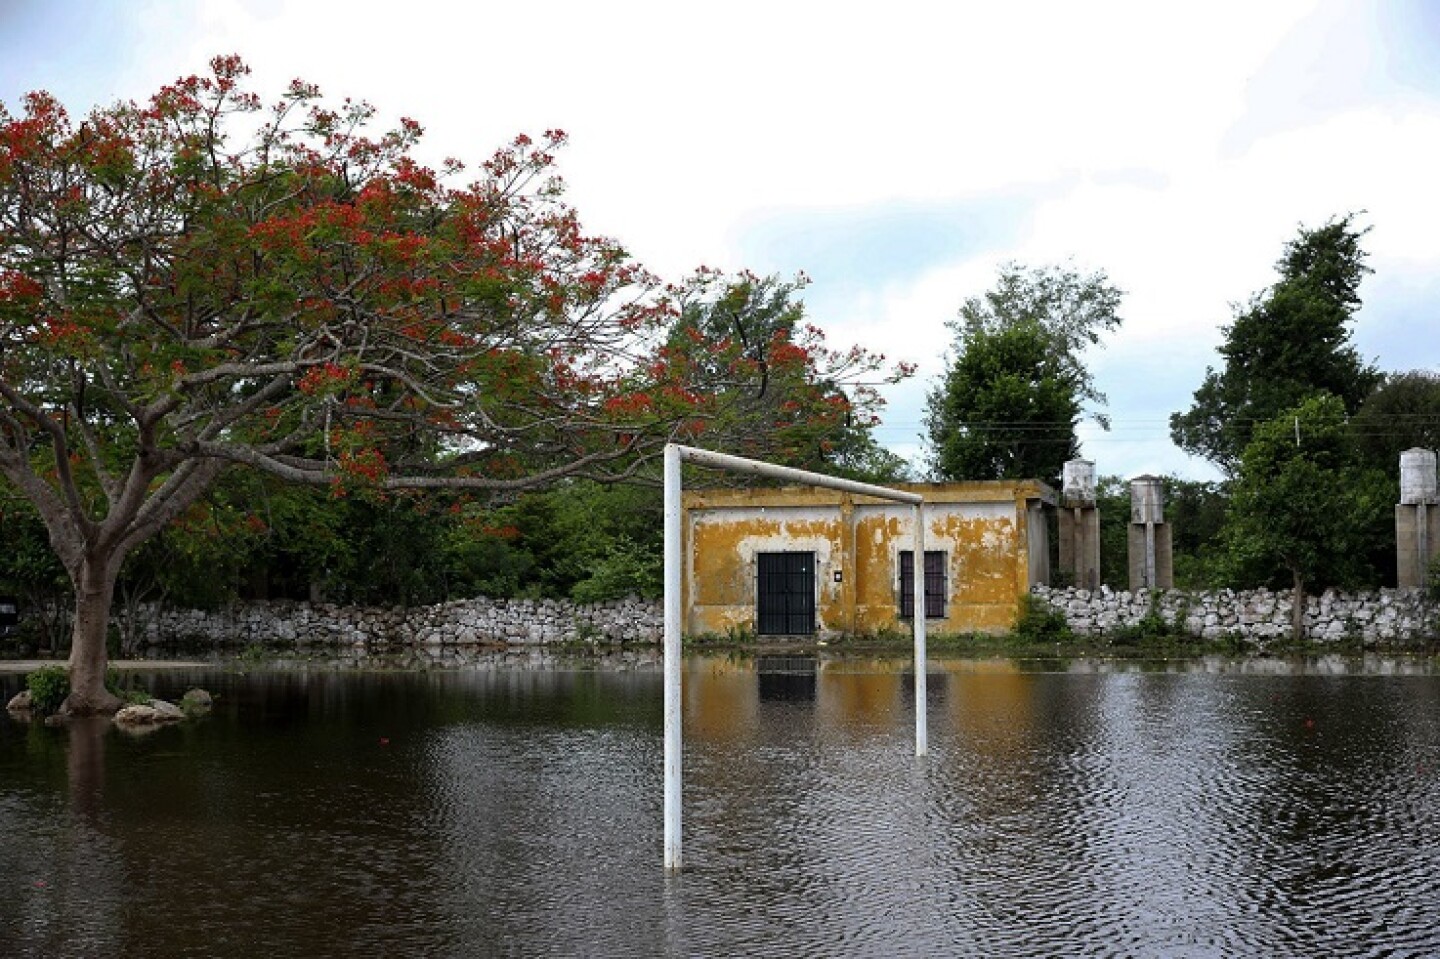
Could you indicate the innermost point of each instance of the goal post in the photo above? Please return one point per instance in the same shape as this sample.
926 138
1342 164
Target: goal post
675 455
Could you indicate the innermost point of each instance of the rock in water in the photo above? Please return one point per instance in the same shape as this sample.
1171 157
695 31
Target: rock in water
154 713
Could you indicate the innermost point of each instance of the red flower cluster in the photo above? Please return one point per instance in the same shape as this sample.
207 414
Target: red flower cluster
323 377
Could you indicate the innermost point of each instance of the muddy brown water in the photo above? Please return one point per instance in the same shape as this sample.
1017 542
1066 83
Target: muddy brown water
1099 809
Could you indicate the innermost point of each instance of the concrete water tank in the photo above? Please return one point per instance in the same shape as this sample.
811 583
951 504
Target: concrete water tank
1147 500
1417 477
1078 482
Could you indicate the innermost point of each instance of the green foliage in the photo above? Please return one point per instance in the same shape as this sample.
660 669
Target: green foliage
200 559
252 655
124 687
1153 631
775 391
1196 512
1073 309
1012 393
1004 409
480 558
1306 511
1402 413
625 569
1290 343
48 688
586 541
859 456
30 570
1112 498
741 634
1039 623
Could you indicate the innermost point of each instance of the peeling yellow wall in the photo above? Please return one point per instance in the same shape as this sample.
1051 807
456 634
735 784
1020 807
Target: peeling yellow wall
987 530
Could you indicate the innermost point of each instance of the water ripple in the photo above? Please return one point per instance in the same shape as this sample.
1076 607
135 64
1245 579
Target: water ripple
1181 813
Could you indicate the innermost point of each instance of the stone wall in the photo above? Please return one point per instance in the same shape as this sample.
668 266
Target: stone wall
462 622
1257 616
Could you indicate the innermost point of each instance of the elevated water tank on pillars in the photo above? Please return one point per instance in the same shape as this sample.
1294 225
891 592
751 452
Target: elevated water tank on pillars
1417 477
1078 483
1147 500
1417 520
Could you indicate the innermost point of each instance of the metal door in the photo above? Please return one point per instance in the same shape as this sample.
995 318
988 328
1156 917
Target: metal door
786 594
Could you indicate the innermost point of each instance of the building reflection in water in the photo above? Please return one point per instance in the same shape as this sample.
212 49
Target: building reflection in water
786 679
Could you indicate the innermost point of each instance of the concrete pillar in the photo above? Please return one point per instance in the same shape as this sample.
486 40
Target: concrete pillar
848 563
1080 525
1417 518
1151 553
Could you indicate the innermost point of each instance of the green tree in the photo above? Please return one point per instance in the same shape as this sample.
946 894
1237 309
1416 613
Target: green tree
1305 509
582 540
1016 382
1112 497
1196 512
1402 413
1006 409
1074 309
1291 342
30 571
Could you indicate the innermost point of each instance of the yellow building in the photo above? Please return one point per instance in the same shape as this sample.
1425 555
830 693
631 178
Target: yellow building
804 561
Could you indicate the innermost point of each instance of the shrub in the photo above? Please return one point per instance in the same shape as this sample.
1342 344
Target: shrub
626 569
1152 629
1039 622
48 687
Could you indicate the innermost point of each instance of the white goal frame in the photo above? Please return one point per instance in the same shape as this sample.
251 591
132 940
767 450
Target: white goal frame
674 600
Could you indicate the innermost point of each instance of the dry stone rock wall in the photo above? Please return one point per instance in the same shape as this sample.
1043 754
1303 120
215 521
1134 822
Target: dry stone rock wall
1258 616
462 622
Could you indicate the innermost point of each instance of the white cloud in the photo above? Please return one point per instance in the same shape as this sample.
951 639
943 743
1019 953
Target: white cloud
1175 147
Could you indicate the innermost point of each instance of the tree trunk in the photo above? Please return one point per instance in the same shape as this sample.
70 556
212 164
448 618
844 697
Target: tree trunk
1297 607
94 590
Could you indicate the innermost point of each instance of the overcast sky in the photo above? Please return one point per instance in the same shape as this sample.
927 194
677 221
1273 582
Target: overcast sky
896 153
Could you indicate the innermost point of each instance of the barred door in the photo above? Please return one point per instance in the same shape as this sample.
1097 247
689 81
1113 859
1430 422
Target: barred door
786 594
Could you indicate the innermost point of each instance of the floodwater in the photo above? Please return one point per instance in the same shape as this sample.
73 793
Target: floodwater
1065 809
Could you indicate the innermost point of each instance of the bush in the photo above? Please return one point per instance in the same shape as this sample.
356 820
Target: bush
48 687
627 569
1039 622
1152 630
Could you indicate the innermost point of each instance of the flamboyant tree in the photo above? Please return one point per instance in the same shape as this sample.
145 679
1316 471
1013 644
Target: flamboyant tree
201 282
780 393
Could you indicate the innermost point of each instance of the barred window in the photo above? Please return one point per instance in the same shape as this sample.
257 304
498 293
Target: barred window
935 591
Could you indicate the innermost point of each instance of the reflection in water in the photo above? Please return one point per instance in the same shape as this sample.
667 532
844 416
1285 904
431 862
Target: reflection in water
85 768
1188 812
786 678
63 872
